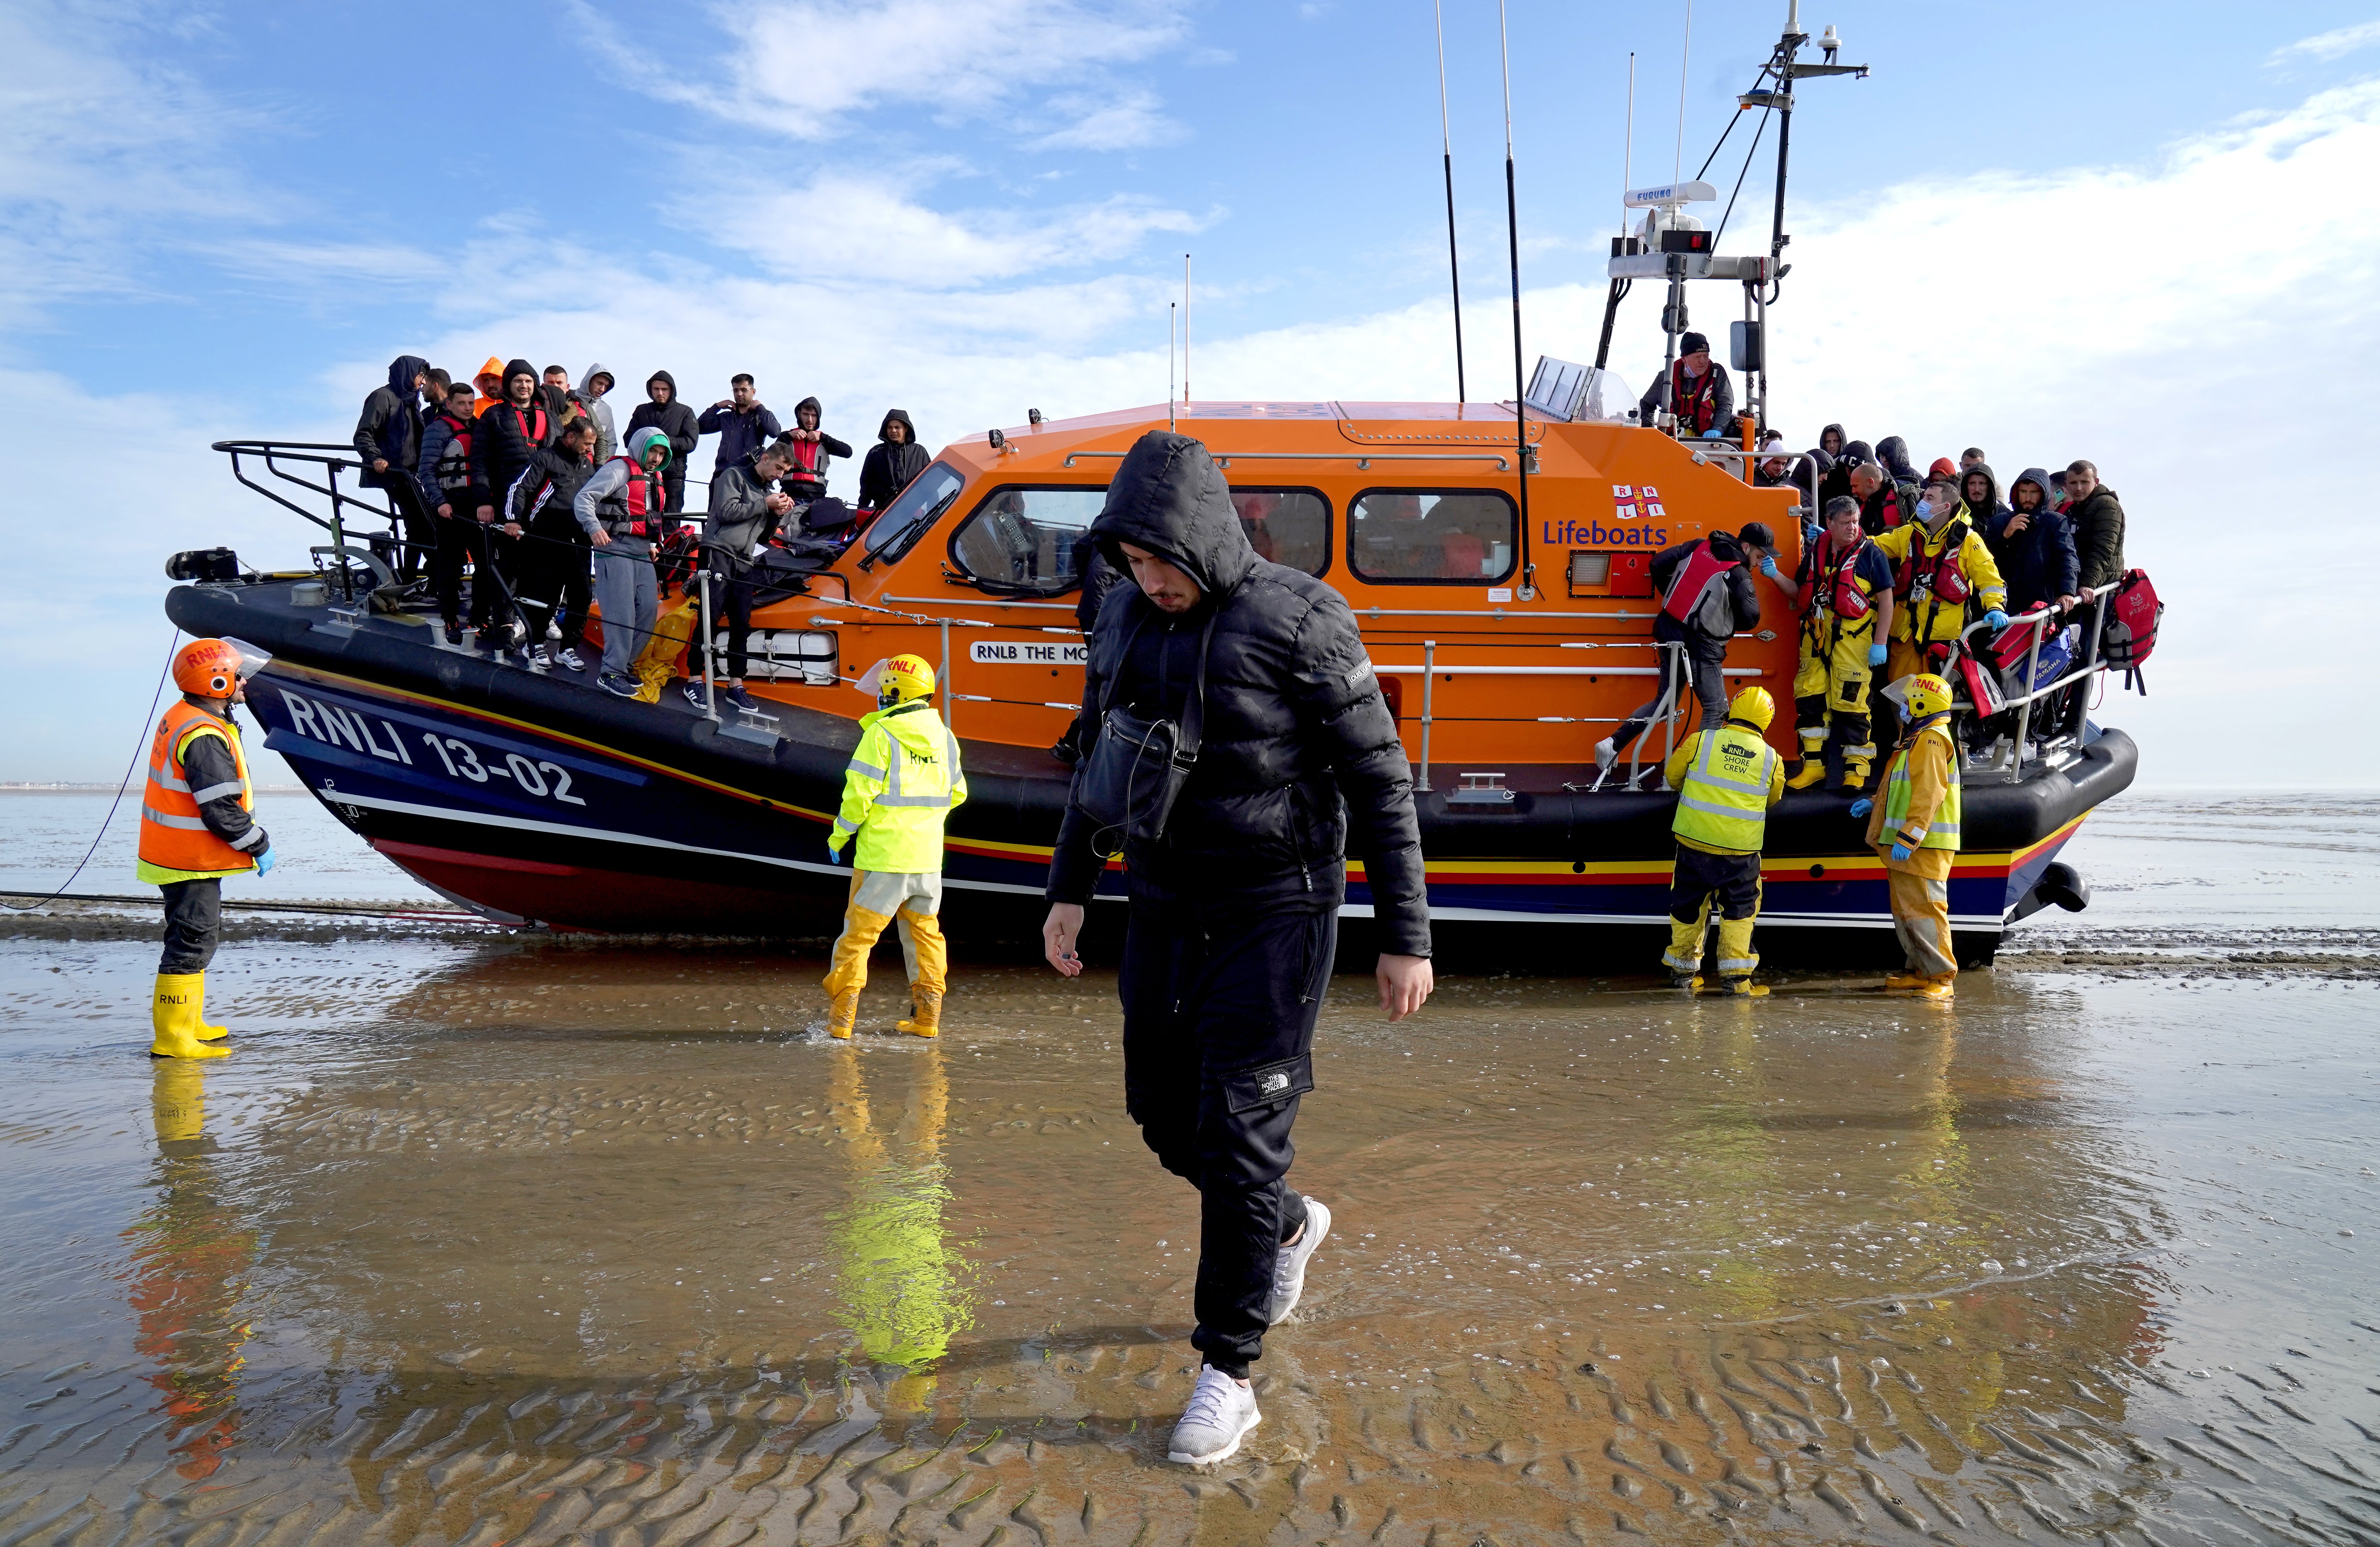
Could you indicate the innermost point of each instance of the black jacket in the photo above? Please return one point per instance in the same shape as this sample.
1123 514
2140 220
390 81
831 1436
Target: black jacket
389 429
1300 759
540 496
2098 523
739 517
809 483
890 468
739 434
674 420
503 440
2038 564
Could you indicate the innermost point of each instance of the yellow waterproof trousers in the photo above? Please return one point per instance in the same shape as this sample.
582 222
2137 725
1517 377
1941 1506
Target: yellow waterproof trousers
1921 915
882 897
1830 691
1699 881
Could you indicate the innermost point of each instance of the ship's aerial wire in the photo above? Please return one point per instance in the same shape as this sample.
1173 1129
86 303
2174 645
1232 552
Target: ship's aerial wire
122 785
1685 52
1446 138
1520 390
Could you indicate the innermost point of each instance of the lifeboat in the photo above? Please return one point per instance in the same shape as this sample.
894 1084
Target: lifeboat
1508 645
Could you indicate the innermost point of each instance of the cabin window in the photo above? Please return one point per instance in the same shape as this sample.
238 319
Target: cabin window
913 510
1445 537
1021 540
1289 526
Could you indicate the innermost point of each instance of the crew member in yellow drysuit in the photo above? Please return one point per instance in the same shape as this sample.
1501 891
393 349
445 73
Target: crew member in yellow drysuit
1941 569
1726 779
1844 591
903 782
1914 827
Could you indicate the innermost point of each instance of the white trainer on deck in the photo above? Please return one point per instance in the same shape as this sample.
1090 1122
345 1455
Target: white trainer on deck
1221 1413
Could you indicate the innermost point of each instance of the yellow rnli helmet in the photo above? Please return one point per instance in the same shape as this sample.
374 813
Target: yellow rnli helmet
904 677
1928 696
1754 707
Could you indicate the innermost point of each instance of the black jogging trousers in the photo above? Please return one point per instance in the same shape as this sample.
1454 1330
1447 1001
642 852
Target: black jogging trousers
1220 1002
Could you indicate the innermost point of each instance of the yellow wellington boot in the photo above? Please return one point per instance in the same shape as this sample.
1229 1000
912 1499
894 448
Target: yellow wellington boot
1854 775
208 1031
926 1019
1903 982
841 1014
1943 988
175 1014
1813 771
1743 988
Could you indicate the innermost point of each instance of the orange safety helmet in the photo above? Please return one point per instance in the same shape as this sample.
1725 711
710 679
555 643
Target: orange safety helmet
209 668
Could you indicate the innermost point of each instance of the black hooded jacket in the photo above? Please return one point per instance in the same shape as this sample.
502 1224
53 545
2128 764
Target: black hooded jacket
1300 759
890 468
506 436
2039 563
810 482
389 429
674 420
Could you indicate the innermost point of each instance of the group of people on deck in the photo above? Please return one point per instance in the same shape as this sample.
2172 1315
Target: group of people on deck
521 476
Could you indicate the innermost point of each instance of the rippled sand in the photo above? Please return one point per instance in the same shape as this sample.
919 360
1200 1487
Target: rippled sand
539 1243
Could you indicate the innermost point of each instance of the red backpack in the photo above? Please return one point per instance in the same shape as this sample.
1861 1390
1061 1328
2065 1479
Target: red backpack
2128 634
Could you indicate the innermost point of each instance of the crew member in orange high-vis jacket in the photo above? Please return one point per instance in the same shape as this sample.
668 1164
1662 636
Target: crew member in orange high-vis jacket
197 827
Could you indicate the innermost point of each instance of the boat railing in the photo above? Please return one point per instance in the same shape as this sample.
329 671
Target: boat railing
2089 665
297 465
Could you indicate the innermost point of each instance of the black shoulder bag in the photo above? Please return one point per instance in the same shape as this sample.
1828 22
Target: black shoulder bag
1137 766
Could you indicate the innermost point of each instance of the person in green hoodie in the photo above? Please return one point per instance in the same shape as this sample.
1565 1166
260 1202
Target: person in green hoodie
902 783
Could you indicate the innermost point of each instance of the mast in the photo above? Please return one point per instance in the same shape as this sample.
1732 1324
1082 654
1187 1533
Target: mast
1520 389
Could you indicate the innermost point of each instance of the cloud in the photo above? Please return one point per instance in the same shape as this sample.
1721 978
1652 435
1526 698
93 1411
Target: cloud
2337 44
1124 123
808 69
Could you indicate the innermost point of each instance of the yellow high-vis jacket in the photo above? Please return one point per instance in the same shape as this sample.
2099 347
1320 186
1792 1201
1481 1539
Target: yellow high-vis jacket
902 783
1920 614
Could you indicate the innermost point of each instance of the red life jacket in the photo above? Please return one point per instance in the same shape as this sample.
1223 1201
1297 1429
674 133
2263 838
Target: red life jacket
1696 406
638 507
1836 581
1697 571
1944 574
454 469
521 416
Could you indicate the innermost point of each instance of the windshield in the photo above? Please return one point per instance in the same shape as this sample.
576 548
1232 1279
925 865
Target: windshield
914 510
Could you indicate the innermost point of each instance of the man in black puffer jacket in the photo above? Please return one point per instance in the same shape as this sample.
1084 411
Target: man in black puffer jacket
1234 910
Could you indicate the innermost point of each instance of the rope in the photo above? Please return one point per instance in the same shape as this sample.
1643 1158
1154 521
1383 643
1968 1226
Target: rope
146 733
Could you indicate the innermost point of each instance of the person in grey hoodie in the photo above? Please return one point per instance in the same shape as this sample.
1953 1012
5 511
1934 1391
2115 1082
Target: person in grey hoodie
745 506
593 383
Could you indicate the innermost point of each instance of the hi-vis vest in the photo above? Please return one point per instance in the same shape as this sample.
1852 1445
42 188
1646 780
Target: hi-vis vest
1943 831
173 835
1724 800
899 788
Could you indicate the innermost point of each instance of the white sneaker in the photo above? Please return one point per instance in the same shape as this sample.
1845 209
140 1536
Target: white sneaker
1605 754
1289 1263
1221 1413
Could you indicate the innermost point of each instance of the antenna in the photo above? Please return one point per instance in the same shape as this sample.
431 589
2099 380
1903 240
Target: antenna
1628 145
1520 394
1170 307
1686 52
1446 136
1185 329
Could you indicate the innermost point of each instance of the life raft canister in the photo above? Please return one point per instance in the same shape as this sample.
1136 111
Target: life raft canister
1700 570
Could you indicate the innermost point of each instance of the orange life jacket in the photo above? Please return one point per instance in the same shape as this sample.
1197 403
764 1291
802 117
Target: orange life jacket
1944 577
1697 571
636 510
173 835
1836 585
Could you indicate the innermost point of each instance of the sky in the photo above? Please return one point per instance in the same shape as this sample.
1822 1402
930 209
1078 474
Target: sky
2144 236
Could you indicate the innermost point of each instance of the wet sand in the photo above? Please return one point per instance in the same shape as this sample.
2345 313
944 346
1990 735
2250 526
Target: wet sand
507 1241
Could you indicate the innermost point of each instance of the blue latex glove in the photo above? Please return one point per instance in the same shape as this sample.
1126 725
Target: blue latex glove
1997 618
1862 806
1901 853
264 862
1768 566
1811 533
833 853
1875 653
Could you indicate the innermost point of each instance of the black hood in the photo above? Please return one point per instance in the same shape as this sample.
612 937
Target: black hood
1893 452
1842 442
1991 481
814 405
401 372
901 414
664 376
1169 498
2039 478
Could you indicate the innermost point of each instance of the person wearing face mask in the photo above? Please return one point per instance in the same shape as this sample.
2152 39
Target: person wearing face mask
1695 390
1942 568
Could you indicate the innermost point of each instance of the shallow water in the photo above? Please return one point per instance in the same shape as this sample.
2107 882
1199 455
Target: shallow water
507 1241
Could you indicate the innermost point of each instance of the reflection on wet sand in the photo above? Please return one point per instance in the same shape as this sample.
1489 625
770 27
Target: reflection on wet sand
189 1257
604 1265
